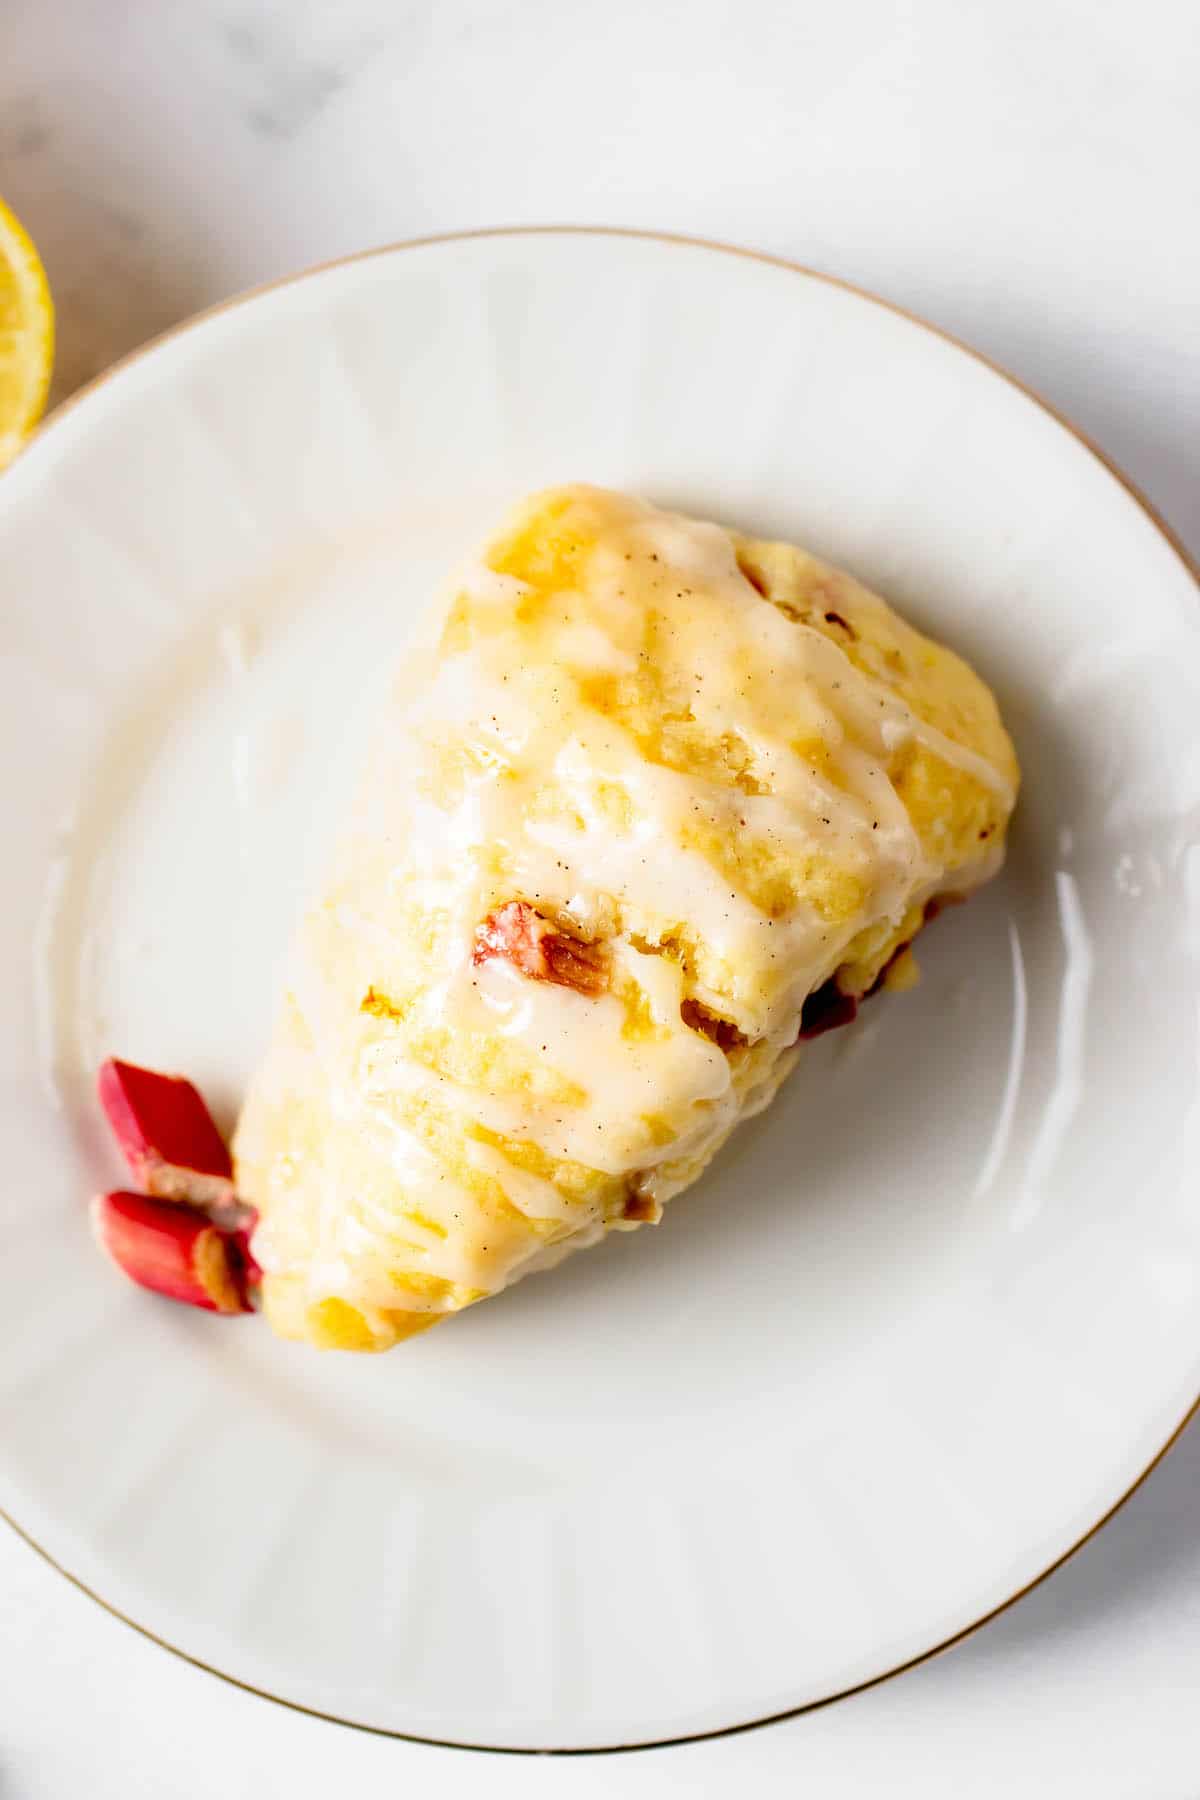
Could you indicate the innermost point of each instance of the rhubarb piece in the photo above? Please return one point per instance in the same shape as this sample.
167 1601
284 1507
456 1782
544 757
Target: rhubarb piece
519 934
825 1009
166 1134
641 1207
171 1249
251 1270
723 1032
236 1222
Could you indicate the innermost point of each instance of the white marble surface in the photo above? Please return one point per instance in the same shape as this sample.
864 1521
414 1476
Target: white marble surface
1025 174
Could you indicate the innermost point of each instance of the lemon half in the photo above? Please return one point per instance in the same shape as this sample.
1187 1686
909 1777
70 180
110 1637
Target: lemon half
26 335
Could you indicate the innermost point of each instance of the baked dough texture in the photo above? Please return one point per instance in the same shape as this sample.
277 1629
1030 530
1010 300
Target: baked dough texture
670 801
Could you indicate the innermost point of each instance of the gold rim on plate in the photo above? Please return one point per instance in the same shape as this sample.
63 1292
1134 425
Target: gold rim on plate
1191 566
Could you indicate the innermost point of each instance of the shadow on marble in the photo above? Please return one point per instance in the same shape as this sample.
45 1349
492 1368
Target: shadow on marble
123 265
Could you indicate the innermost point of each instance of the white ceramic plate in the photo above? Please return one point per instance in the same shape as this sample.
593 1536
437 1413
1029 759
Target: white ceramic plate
926 1321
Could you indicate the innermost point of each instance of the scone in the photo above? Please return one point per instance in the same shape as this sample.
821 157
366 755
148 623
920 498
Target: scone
672 801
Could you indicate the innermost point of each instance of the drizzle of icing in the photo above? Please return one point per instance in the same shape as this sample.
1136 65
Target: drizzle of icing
521 783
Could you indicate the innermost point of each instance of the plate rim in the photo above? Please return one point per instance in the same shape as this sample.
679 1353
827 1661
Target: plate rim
53 425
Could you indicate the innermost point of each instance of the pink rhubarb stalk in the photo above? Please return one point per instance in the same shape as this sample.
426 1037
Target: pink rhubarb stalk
518 934
166 1135
172 1249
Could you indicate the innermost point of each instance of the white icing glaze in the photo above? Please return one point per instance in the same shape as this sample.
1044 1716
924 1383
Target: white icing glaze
511 704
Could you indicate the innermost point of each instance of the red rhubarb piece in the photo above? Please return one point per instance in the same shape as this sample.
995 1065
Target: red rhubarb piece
166 1134
236 1221
519 934
825 1009
250 1269
171 1249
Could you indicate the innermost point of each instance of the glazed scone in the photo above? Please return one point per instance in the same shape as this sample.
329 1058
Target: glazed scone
672 800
